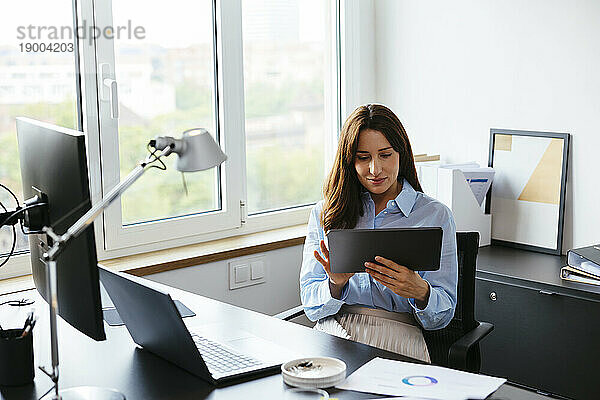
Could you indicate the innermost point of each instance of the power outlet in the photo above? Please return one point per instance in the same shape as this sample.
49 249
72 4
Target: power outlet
247 271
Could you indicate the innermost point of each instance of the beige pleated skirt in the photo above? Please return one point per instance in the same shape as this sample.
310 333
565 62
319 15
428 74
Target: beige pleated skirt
396 332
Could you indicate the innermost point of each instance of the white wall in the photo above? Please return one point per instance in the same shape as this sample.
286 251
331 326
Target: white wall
452 70
281 290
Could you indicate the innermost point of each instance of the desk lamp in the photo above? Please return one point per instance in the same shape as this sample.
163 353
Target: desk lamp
197 151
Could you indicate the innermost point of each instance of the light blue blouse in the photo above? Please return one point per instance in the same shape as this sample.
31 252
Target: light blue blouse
409 209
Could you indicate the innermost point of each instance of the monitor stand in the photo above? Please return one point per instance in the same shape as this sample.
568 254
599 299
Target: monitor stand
86 393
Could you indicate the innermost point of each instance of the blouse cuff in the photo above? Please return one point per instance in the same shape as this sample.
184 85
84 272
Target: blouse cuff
426 314
331 305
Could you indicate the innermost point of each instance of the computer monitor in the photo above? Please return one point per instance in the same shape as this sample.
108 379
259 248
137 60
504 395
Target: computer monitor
54 164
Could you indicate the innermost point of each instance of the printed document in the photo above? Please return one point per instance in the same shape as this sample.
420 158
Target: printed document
398 378
478 178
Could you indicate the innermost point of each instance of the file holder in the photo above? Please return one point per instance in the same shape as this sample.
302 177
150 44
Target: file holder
450 187
16 357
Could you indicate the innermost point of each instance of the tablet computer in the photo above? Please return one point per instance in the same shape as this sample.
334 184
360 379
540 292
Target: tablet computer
418 249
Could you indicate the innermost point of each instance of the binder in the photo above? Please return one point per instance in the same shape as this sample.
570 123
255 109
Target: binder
583 265
585 258
572 274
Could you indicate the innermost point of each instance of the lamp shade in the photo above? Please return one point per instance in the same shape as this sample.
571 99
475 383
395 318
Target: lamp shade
198 152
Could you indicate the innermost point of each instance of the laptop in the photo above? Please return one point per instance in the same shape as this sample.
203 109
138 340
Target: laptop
210 352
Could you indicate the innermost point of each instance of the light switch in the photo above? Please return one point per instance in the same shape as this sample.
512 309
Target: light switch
258 269
242 273
247 271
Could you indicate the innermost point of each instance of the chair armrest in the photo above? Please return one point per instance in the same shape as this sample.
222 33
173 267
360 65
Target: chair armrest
291 313
457 355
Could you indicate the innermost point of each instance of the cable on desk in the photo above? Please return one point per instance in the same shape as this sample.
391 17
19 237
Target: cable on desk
18 303
14 241
12 249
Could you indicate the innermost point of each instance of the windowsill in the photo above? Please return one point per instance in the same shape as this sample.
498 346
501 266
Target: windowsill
16 284
188 256
202 253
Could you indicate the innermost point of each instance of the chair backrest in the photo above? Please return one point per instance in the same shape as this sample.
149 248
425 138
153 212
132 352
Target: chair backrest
439 341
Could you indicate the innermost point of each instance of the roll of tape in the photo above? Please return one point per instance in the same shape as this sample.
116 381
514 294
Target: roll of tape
314 372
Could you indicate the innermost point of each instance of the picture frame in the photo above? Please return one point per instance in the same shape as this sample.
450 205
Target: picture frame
527 197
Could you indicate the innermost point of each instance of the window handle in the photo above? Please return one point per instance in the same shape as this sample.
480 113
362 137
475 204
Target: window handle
109 89
113 95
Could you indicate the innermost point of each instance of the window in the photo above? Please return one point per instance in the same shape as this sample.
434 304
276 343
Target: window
271 104
167 86
27 91
167 83
286 83
260 75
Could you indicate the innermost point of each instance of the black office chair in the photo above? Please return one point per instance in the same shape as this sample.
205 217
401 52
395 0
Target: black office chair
457 345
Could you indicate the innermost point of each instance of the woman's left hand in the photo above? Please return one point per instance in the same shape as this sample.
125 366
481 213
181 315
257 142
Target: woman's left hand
400 280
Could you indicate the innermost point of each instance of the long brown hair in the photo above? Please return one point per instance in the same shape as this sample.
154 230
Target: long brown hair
342 189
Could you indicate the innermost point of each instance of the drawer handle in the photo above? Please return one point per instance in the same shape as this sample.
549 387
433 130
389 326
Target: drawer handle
493 296
547 292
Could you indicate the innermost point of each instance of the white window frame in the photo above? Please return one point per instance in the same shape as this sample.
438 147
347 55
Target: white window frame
151 236
299 215
358 54
118 237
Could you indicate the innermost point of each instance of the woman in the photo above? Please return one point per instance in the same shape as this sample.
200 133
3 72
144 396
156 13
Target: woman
373 184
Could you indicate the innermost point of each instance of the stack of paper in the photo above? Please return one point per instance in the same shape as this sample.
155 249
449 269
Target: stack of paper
478 178
397 378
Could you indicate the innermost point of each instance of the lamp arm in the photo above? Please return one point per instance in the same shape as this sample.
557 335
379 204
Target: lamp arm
60 242
89 217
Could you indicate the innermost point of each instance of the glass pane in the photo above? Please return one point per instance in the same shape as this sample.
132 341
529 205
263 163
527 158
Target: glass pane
34 82
165 76
285 77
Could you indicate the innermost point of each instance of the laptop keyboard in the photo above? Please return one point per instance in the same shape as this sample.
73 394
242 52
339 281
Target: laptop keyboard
220 359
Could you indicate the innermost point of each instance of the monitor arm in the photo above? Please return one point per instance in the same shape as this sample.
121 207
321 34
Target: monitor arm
33 214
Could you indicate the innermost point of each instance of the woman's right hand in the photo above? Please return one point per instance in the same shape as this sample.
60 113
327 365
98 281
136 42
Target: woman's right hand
336 281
